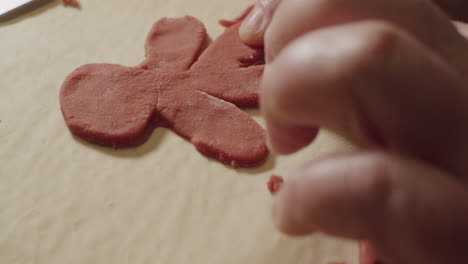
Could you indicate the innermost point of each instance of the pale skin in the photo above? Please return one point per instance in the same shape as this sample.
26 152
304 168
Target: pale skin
392 76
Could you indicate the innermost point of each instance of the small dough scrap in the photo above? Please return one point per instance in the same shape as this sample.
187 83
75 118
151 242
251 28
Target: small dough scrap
274 184
73 3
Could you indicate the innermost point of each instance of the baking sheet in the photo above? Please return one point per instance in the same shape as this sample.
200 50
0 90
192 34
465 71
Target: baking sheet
8 5
65 201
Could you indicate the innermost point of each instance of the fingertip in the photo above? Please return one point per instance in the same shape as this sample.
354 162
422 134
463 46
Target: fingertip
318 197
360 195
284 139
287 213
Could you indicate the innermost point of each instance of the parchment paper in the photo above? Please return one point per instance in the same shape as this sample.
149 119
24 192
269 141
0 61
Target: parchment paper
65 201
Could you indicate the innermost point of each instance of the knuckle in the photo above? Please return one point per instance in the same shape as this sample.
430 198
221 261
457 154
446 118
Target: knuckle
380 39
375 50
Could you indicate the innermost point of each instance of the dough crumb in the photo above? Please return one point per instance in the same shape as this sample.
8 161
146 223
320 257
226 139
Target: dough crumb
72 3
274 184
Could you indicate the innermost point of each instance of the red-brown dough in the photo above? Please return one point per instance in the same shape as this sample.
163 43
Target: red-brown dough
73 3
274 184
197 95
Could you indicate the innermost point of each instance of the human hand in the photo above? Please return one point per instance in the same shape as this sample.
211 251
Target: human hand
391 75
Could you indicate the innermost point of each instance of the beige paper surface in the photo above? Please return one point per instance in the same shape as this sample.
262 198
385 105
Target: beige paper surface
65 201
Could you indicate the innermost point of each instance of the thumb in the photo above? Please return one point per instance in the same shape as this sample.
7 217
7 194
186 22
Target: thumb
252 30
409 211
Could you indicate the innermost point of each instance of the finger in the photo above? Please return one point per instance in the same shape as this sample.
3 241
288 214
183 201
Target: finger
254 26
298 17
375 82
366 254
456 9
285 139
409 211
462 28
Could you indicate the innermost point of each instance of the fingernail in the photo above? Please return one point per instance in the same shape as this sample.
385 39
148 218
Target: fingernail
253 24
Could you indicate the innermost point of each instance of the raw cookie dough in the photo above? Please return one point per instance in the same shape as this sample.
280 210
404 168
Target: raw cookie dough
196 95
73 3
274 184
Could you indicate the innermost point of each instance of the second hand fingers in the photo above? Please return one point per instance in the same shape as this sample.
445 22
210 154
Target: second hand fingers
367 78
410 212
420 18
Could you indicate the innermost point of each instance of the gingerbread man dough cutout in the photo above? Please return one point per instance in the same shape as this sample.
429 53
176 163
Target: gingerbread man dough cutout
195 93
